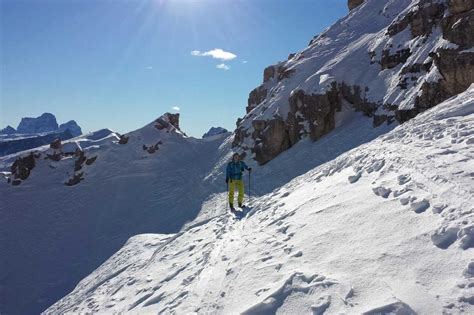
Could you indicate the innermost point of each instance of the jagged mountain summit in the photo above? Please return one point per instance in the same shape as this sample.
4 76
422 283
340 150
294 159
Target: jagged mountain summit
8 130
72 126
388 59
45 123
381 229
214 131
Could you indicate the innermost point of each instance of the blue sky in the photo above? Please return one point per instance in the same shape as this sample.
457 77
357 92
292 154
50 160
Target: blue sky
120 64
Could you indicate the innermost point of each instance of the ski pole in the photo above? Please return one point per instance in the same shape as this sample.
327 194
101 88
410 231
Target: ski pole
249 186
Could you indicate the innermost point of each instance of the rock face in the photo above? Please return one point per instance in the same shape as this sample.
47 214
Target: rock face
168 120
354 3
73 128
44 123
214 131
22 166
8 130
388 60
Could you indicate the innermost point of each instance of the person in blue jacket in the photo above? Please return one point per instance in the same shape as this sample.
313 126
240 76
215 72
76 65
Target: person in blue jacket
233 178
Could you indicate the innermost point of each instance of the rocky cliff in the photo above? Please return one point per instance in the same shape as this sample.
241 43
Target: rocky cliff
73 128
390 60
44 123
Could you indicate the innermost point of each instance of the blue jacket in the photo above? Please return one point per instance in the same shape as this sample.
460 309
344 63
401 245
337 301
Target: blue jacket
235 169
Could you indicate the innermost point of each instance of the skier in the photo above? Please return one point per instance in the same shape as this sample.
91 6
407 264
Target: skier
233 178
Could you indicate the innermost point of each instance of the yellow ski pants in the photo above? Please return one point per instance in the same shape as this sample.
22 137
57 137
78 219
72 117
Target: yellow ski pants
233 183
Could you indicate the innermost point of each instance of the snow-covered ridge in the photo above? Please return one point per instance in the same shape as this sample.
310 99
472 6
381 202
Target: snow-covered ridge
389 59
386 227
69 205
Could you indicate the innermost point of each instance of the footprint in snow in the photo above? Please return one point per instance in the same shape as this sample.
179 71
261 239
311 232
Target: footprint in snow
444 237
400 192
393 308
382 191
298 254
354 178
283 229
420 206
321 305
466 237
407 200
438 208
469 271
403 179
290 235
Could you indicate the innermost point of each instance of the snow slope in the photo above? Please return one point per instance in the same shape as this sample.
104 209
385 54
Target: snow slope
384 228
53 235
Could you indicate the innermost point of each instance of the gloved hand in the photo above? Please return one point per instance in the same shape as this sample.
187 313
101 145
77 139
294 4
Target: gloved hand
249 169
227 181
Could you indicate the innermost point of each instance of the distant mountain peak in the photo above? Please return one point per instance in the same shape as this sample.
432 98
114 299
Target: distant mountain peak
8 130
44 123
72 126
214 131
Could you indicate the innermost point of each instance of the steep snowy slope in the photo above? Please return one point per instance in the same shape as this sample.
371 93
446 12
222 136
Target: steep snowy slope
70 206
390 59
385 227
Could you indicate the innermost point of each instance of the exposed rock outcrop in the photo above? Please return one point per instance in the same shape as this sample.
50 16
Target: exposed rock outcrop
56 144
76 179
123 139
421 20
390 61
80 161
310 115
22 166
421 56
91 160
352 4
459 6
170 122
256 97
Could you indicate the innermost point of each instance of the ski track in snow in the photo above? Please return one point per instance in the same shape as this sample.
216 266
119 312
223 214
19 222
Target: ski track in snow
384 228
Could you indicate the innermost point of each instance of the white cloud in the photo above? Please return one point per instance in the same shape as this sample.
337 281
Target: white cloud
223 66
176 108
244 61
216 53
149 67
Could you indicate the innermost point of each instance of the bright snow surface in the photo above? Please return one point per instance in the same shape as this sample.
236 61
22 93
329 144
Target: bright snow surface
385 227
